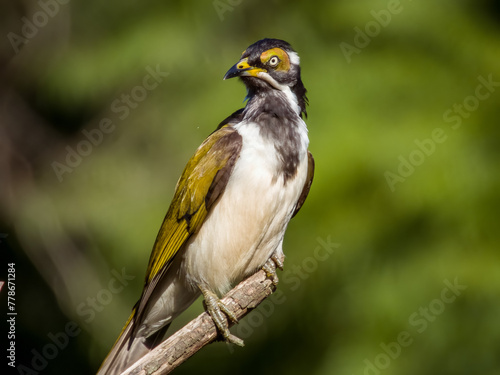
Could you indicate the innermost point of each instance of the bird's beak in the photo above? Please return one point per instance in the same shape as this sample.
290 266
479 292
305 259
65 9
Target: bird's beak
243 69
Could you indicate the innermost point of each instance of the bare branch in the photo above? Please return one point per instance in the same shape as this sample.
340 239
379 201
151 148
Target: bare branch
201 331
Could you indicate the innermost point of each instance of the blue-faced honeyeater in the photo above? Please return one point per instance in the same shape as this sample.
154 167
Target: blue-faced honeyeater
231 206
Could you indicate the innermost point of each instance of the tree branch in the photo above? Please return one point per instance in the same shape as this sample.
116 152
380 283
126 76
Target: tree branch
201 331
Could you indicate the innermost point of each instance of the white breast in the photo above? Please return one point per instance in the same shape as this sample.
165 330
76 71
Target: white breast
249 221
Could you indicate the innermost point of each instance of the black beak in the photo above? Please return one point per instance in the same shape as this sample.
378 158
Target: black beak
241 68
234 71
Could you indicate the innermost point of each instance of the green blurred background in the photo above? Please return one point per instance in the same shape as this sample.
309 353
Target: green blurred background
387 227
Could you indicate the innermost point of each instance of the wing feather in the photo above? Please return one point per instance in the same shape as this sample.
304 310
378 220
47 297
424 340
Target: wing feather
200 185
307 185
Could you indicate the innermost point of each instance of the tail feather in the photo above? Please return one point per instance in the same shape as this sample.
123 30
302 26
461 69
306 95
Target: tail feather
129 349
116 359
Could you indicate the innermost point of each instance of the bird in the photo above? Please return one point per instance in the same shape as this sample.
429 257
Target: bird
231 206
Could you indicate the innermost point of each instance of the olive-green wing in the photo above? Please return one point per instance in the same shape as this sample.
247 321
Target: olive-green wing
307 185
202 182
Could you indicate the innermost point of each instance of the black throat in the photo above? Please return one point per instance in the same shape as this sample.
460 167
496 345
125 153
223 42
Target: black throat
279 123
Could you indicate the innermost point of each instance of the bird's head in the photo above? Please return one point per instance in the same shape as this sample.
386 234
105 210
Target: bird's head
271 64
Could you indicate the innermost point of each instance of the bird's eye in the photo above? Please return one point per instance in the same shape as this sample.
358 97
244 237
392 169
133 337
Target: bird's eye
273 61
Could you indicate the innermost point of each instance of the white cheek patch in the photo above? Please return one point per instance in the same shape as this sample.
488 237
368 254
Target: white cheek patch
294 58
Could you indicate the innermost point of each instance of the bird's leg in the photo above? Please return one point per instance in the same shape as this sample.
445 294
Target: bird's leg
217 309
274 262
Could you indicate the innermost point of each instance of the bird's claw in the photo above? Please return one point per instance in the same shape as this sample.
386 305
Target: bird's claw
217 309
270 267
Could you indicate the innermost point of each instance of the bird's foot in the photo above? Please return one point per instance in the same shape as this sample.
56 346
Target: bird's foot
276 261
217 309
